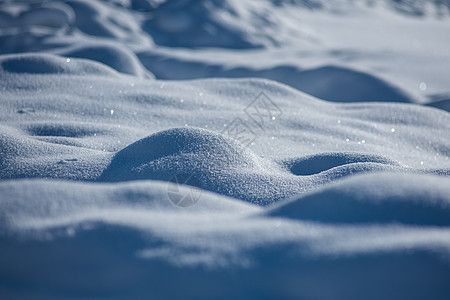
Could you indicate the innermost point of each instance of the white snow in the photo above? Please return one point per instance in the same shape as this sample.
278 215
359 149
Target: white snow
312 138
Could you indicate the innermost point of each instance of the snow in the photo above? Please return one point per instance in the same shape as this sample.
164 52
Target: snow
224 149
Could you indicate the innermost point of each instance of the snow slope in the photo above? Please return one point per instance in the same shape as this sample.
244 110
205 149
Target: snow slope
311 167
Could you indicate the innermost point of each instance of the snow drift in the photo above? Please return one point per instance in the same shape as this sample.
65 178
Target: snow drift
224 149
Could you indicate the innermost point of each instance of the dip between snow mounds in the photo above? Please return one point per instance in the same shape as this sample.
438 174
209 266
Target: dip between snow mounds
224 166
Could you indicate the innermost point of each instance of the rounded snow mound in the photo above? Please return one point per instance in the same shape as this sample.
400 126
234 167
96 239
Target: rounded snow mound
380 197
167 153
341 84
211 161
328 82
36 63
113 55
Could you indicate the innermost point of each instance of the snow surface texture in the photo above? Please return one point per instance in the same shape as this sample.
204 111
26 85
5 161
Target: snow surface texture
313 138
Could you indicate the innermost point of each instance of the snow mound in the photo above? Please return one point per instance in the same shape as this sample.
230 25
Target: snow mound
375 198
219 164
37 63
211 151
36 202
346 85
115 56
331 83
215 162
132 229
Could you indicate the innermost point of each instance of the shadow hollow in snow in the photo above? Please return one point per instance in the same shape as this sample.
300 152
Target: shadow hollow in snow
62 130
317 163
